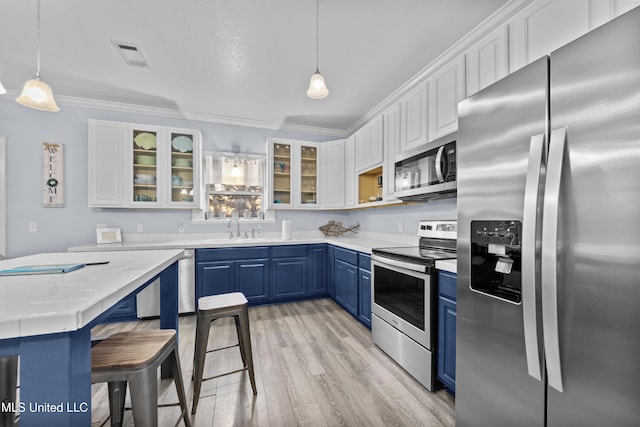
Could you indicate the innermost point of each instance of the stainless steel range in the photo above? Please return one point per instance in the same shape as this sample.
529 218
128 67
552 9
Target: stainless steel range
404 307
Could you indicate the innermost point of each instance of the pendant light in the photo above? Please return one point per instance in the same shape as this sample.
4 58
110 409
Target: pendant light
36 93
2 89
317 87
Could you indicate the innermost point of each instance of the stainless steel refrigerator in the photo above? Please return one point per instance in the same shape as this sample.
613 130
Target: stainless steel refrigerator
548 315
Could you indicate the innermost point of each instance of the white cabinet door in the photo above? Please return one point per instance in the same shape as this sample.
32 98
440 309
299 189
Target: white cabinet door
545 26
486 60
369 149
279 172
107 158
447 89
414 118
332 171
350 172
307 161
392 148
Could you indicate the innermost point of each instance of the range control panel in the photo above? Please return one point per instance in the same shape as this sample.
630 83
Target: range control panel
496 232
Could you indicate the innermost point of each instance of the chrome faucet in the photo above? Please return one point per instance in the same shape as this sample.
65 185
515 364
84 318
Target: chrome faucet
229 226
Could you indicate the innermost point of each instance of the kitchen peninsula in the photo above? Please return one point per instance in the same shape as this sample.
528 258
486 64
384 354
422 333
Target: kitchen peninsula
46 319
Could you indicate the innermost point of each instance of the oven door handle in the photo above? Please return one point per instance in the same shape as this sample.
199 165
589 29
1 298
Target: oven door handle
400 264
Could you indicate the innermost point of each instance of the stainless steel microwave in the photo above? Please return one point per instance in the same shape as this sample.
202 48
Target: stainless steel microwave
427 173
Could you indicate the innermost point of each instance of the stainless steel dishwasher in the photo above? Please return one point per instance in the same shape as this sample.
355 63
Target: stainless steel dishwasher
148 301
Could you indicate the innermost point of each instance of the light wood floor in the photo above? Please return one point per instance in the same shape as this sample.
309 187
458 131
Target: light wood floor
314 364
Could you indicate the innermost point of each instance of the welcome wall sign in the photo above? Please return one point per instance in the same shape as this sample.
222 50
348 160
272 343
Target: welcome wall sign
53 175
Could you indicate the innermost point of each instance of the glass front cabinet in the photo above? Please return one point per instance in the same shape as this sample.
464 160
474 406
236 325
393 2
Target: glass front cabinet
141 166
293 173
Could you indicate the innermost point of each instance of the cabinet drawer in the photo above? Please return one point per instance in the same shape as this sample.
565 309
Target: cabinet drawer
223 254
347 255
364 261
289 251
447 284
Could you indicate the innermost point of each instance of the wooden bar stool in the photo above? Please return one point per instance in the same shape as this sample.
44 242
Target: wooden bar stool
134 357
215 307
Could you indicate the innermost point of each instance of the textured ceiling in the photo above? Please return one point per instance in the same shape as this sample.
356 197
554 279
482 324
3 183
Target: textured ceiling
234 60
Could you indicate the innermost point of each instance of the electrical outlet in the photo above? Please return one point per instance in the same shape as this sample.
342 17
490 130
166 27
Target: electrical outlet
140 228
181 228
33 227
401 227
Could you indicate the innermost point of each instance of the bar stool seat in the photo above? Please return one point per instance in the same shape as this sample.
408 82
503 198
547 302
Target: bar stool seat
213 307
134 357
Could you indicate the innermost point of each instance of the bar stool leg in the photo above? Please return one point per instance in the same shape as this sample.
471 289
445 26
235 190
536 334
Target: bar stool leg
117 396
240 343
246 344
177 379
202 337
144 397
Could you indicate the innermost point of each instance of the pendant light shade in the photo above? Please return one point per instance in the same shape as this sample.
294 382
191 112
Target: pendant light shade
2 89
317 86
36 93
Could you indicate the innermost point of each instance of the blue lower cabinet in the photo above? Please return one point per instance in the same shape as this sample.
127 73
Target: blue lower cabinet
447 329
364 295
215 278
125 311
346 282
288 277
331 271
317 267
253 279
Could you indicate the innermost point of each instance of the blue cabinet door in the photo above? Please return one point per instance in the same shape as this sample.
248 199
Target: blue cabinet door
331 271
253 279
288 278
125 311
447 329
346 283
213 278
317 282
364 297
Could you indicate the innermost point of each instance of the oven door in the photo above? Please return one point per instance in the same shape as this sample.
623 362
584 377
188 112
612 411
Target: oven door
403 298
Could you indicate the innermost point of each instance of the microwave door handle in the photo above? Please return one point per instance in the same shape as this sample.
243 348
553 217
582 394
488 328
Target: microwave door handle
439 170
530 221
549 258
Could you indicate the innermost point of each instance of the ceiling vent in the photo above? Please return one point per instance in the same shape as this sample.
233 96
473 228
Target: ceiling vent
131 54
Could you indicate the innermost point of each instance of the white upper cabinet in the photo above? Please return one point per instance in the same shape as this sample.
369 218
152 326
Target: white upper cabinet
107 152
392 148
350 193
293 170
142 166
486 60
333 172
414 118
545 26
447 88
368 140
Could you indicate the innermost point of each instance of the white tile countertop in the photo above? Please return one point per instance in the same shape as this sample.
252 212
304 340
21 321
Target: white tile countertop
362 242
50 303
450 265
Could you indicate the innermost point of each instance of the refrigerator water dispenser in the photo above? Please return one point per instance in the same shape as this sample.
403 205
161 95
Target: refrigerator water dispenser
496 259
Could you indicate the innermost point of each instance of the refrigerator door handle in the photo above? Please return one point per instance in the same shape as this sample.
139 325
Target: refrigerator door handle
549 259
529 221
439 164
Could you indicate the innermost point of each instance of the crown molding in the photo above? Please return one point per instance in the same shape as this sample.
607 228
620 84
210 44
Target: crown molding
71 101
500 17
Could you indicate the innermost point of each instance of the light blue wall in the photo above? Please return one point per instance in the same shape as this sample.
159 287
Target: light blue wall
75 223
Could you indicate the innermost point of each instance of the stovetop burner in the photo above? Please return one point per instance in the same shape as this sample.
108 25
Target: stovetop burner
418 254
437 241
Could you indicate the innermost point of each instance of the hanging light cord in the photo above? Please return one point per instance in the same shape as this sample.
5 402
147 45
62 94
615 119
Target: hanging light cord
38 41
317 35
